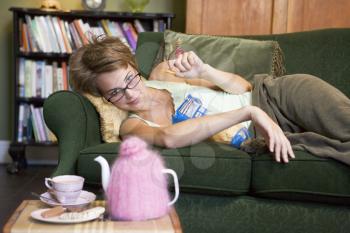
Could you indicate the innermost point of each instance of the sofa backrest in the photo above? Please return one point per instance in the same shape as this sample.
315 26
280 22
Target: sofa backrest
323 53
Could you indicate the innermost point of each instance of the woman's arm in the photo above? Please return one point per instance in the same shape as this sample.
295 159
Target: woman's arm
161 73
188 65
189 68
198 129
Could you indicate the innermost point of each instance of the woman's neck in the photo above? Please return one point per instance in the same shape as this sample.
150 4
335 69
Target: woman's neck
157 104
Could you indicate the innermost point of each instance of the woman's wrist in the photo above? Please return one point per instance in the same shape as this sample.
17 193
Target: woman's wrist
204 73
251 110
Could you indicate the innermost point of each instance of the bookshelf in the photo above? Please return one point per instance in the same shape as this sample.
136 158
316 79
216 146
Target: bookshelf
42 44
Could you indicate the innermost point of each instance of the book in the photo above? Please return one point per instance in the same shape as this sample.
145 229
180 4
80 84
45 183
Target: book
69 35
54 77
78 23
27 78
52 34
21 77
48 80
41 34
20 123
58 34
67 46
60 85
34 44
105 25
34 123
20 32
138 25
128 34
41 124
64 75
47 36
133 31
155 25
39 76
25 38
75 36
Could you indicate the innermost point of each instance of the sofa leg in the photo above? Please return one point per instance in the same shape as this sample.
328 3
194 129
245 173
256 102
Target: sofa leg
19 161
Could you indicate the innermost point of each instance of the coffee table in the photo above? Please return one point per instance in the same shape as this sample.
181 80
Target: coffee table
21 222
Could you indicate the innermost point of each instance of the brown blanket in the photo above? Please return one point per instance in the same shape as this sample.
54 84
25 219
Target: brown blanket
314 115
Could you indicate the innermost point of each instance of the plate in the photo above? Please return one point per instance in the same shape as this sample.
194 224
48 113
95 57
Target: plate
84 199
70 217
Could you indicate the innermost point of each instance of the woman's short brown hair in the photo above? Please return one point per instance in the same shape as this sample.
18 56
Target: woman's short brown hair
99 56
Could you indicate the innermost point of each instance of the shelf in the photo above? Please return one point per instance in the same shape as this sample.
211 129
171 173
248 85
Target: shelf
92 14
43 55
33 100
33 143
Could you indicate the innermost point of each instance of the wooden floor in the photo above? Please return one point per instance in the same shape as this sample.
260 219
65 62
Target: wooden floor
18 187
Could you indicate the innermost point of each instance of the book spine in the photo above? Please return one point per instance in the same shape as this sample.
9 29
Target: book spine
58 34
69 35
27 78
20 123
39 76
64 36
54 77
78 23
26 42
64 75
48 80
21 77
41 123
34 44
41 35
128 35
52 34
34 124
138 26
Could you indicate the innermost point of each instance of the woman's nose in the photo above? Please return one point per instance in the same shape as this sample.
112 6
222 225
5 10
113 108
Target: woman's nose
128 93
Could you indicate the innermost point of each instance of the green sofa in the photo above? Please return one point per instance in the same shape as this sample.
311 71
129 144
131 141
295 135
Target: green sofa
224 189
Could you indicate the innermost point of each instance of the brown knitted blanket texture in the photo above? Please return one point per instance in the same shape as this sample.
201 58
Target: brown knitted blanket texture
314 115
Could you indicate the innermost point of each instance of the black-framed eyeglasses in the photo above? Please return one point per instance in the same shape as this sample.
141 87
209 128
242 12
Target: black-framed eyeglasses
118 93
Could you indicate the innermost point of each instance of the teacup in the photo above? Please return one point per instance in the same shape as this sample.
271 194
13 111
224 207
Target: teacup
65 188
65 183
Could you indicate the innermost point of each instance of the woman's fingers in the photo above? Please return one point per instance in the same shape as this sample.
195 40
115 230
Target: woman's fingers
290 151
178 63
185 61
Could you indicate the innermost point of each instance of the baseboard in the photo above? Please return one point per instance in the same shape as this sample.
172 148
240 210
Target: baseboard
4 155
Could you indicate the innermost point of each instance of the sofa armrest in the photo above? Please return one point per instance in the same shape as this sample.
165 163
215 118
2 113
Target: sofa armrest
75 122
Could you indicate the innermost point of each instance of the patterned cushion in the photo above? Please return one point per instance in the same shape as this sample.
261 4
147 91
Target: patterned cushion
110 118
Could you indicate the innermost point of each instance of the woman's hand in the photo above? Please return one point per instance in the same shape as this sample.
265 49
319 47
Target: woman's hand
274 136
187 65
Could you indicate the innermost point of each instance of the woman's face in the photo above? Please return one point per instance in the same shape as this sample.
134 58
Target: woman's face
122 87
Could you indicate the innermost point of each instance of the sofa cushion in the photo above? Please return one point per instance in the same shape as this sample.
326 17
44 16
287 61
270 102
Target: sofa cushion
235 55
205 167
306 178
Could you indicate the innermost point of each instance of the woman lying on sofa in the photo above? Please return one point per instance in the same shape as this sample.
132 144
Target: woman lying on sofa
284 110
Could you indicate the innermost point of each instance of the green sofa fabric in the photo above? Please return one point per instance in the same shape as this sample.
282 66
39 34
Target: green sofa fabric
205 167
306 178
223 189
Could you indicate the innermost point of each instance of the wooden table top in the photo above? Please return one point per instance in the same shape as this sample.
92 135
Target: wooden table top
22 222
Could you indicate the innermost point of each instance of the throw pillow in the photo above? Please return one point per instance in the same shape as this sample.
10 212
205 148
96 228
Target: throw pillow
236 55
110 118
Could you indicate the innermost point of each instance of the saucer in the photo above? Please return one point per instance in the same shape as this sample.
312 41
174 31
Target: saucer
84 199
75 218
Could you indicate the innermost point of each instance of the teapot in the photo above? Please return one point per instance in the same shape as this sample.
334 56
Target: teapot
136 188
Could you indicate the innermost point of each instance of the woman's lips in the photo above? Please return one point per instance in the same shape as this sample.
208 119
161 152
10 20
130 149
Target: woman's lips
134 101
